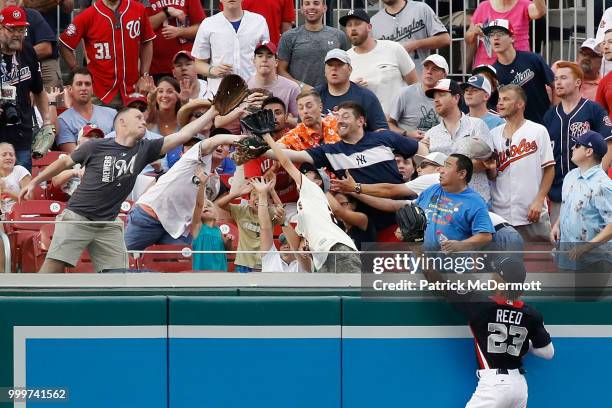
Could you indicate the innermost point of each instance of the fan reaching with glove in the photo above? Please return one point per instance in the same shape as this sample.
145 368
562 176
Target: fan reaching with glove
251 147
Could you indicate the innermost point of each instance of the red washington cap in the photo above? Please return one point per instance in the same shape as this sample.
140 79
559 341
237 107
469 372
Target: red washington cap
13 16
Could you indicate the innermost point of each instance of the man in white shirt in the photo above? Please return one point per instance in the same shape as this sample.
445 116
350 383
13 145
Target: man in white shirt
316 222
226 41
183 70
525 168
382 66
163 213
274 261
456 131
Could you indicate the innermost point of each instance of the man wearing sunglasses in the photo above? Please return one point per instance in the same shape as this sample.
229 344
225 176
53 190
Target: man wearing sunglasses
585 222
525 168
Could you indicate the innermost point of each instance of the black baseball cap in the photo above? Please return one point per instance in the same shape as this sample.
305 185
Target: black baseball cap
359 14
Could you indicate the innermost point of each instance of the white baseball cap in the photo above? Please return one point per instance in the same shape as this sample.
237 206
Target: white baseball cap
591 44
435 157
479 82
439 61
338 54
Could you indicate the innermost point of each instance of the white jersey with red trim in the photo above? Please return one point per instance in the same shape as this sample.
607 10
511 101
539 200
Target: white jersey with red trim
520 168
112 43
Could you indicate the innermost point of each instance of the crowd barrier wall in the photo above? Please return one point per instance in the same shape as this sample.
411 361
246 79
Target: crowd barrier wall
280 351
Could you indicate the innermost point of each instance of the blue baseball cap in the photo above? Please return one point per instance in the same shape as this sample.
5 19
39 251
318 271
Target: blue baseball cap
593 140
479 82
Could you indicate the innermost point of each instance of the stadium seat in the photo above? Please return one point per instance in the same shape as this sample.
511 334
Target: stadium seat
166 262
34 249
32 210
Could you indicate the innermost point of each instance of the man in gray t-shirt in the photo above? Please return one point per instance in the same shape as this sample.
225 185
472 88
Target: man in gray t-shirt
414 25
302 50
412 114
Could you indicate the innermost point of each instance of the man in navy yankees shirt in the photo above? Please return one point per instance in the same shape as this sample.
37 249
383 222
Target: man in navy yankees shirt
567 121
369 156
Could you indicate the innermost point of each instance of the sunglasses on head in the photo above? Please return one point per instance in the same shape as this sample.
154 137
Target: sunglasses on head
507 147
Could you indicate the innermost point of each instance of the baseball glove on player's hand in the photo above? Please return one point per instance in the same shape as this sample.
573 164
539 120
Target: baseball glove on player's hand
41 5
412 222
249 148
260 122
42 141
232 90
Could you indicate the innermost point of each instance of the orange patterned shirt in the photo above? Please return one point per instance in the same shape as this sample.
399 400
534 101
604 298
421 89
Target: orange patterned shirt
302 137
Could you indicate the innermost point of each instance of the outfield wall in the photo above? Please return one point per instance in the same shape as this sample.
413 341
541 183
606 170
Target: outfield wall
279 351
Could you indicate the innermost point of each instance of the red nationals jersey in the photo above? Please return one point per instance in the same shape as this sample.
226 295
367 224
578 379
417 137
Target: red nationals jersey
112 43
163 49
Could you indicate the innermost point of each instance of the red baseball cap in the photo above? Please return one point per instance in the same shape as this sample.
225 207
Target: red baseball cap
267 44
91 130
13 16
136 97
183 53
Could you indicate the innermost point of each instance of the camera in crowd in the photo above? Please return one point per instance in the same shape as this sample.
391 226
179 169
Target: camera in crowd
8 105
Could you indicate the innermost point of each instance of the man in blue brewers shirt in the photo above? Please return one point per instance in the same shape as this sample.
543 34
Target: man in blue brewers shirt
457 216
567 121
369 156
585 222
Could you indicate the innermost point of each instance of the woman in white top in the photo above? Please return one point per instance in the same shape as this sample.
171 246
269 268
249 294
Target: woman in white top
12 178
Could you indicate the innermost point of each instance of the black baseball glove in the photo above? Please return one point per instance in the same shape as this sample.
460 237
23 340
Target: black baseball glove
231 92
249 148
260 122
412 222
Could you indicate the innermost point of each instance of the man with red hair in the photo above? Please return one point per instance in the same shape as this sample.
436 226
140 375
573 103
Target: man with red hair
567 121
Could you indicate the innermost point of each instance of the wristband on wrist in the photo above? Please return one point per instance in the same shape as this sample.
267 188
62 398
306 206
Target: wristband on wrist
210 74
52 103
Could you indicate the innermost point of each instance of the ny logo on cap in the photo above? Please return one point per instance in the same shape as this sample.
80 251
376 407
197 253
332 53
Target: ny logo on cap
351 12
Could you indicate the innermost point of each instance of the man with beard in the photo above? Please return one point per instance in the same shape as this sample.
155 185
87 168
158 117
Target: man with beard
118 42
589 60
19 76
384 67
525 168
414 25
523 68
302 50
567 121
413 113
456 131
82 112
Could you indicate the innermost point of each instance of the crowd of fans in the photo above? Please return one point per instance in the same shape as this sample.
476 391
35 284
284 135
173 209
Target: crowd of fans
368 113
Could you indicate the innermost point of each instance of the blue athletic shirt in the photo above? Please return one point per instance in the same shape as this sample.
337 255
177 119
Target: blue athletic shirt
530 72
565 128
456 215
